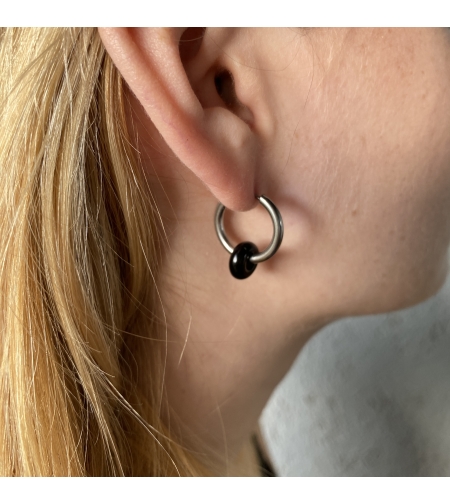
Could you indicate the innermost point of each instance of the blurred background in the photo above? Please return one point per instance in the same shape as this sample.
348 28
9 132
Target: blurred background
367 396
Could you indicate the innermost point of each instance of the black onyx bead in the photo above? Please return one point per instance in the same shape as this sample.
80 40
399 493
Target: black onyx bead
240 265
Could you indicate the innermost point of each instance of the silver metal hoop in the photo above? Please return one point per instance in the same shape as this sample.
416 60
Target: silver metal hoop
277 238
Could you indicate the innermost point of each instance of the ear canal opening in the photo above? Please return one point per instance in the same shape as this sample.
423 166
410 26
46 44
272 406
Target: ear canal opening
225 87
224 83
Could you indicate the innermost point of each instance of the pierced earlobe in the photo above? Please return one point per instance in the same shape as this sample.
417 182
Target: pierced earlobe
246 256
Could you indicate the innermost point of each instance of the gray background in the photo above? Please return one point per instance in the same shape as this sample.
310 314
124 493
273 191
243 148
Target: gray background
367 396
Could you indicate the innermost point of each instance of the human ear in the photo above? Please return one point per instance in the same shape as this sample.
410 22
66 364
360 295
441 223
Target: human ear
188 93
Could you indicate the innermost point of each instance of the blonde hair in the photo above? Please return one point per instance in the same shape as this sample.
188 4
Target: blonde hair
79 248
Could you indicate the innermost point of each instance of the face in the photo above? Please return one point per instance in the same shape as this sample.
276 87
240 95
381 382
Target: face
350 136
357 147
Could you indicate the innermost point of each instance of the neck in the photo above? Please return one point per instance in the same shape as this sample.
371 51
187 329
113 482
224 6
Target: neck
230 341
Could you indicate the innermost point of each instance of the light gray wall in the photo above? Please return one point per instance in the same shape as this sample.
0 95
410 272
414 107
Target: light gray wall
367 396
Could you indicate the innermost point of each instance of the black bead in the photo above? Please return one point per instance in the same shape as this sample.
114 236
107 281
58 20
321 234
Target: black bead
240 265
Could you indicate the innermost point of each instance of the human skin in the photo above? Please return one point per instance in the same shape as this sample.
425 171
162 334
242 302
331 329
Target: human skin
348 132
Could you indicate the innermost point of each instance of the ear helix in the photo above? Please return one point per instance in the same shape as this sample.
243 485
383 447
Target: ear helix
246 256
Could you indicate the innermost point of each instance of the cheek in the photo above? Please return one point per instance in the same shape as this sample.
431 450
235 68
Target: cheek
389 222
404 200
374 167
381 239
398 243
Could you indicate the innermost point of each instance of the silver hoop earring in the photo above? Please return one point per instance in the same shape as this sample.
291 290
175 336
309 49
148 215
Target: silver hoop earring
246 256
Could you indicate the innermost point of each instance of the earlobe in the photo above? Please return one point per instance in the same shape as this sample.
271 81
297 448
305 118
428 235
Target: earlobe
210 136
